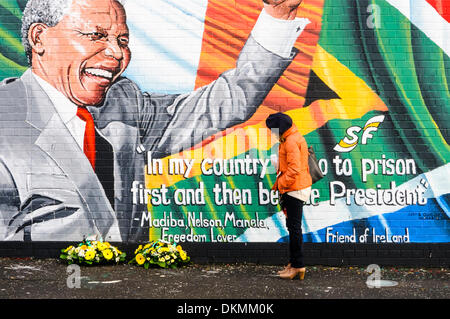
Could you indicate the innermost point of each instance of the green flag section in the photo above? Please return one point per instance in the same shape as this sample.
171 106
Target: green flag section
12 57
407 70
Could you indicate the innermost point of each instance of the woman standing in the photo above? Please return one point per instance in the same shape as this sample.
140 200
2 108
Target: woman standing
294 185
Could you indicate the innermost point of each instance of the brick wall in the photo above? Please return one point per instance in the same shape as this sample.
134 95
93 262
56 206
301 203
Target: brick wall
367 89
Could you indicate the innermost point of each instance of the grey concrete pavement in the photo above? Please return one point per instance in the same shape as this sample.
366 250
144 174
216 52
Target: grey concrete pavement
52 279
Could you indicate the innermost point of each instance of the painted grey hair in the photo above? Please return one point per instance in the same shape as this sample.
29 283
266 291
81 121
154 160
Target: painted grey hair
48 12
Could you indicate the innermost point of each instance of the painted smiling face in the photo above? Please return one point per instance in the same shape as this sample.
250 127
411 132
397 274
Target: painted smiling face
86 51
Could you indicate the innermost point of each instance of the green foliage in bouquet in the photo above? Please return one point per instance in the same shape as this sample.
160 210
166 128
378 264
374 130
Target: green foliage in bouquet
160 254
92 253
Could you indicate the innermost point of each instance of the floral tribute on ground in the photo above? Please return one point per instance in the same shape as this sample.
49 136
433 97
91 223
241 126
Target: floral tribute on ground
160 254
92 252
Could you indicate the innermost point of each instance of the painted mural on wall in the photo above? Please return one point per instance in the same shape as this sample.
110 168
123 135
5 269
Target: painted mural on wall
178 106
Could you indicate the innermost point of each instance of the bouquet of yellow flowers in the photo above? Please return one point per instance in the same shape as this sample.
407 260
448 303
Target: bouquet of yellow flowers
92 252
160 254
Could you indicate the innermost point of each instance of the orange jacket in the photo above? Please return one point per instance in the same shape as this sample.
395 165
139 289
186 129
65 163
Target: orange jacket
292 162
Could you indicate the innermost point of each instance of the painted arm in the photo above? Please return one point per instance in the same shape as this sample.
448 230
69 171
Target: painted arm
173 123
168 124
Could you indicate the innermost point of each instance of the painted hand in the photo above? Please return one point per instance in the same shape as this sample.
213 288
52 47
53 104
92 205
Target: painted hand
282 9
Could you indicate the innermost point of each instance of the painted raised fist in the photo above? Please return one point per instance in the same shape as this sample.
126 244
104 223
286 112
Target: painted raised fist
282 9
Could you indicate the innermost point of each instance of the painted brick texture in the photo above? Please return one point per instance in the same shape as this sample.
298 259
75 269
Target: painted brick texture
175 145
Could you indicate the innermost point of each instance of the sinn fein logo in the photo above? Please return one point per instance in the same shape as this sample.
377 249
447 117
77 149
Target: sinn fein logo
351 140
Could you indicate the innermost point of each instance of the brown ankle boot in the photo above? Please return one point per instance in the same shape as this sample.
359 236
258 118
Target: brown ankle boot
291 273
284 269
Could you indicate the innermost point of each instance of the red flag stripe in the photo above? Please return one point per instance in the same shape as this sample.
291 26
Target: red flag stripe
442 7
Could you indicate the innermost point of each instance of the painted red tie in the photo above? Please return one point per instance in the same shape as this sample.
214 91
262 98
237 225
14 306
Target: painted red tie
89 135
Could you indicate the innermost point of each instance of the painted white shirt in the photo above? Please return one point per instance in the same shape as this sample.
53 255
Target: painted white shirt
278 35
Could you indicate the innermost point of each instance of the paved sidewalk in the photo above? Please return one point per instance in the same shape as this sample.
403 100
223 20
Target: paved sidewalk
52 279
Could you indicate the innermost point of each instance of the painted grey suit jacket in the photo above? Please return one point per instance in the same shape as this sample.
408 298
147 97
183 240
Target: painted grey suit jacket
48 189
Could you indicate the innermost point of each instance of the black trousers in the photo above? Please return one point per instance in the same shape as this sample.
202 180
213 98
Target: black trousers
294 211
